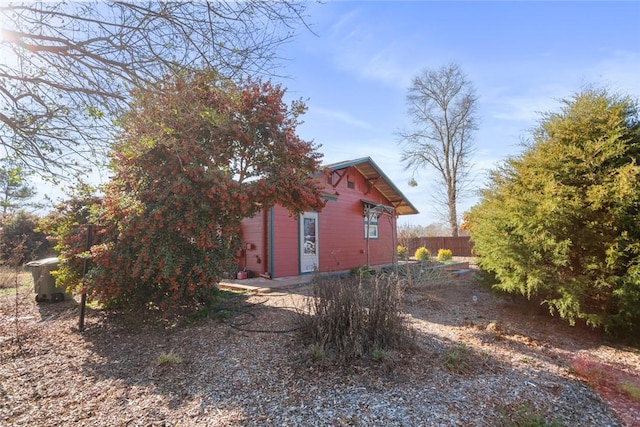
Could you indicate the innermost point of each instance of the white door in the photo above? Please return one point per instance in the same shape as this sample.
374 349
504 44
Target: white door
308 242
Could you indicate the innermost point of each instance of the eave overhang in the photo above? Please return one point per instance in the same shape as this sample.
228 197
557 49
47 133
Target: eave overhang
375 178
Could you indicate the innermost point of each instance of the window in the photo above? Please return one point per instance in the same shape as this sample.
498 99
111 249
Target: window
351 184
371 212
371 227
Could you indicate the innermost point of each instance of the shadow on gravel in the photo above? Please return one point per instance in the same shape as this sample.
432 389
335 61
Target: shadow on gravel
439 383
466 304
248 360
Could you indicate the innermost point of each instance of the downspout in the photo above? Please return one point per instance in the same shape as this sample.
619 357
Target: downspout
265 241
270 244
368 260
394 240
368 224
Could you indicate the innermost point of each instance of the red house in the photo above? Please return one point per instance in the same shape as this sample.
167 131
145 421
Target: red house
357 227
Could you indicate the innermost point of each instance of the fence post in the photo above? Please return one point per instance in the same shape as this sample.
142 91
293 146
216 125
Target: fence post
85 269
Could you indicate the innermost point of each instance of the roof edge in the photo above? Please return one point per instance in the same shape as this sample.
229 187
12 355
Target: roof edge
349 163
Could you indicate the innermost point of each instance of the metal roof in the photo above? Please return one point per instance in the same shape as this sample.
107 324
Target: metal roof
374 176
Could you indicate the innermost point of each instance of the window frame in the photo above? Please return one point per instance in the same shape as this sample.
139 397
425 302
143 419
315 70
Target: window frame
372 227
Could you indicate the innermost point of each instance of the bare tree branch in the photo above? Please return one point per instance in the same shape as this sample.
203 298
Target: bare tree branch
68 67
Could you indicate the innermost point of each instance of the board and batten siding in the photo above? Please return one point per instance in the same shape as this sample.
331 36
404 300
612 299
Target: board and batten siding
285 243
342 243
254 256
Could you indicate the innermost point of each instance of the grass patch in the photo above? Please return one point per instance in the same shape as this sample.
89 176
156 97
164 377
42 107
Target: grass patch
316 353
382 356
168 359
459 358
363 272
524 415
632 390
221 308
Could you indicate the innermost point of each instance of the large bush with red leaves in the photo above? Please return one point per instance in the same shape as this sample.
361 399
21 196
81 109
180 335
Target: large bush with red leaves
194 159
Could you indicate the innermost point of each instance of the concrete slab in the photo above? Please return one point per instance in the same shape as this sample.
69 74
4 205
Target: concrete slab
263 285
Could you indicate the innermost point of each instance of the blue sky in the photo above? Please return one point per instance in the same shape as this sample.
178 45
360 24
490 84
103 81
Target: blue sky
522 58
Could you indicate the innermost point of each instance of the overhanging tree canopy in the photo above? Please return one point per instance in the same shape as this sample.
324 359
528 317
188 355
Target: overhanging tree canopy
67 67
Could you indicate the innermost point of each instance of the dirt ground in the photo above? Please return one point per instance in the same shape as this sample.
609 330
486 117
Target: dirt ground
247 367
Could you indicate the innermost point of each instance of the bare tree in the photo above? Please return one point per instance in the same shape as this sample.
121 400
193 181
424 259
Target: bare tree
67 68
442 105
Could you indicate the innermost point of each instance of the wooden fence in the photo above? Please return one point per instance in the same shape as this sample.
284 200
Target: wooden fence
459 246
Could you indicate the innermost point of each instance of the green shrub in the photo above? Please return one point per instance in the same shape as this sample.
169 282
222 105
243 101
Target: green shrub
382 356
462 359
422 254
560 222
67 226
316 353
402 252
355 319
444 255
362 272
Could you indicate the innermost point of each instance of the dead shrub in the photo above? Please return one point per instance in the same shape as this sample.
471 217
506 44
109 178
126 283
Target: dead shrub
11 267
7 277
11 280
418 275
351 318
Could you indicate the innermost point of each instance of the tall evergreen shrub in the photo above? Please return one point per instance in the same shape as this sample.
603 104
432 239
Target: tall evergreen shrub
561 221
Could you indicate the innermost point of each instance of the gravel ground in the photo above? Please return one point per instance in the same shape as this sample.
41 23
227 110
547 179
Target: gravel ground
251 370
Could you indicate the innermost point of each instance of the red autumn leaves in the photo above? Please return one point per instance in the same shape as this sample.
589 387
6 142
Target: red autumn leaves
195 158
